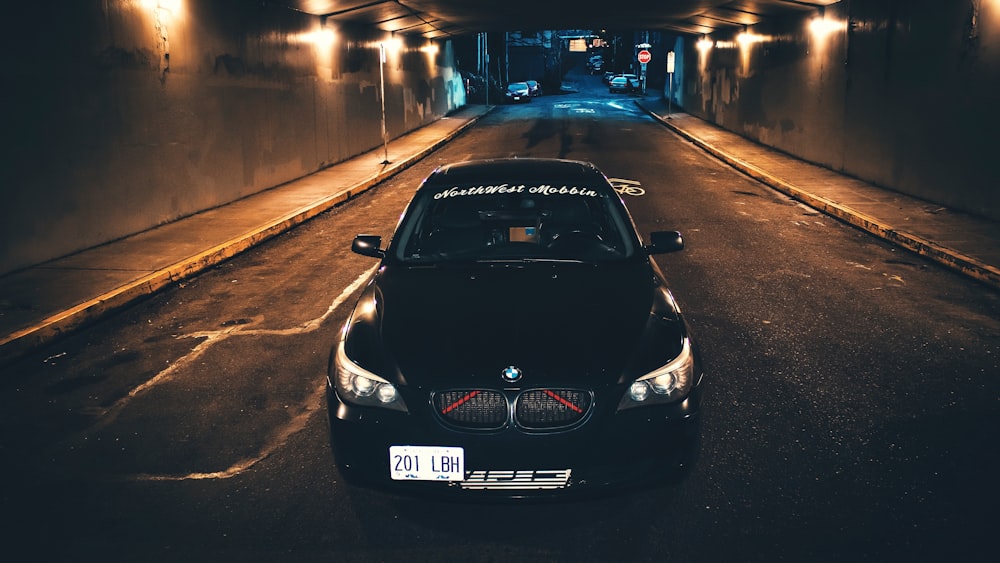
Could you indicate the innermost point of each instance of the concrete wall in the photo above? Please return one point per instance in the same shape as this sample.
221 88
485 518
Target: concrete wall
903 95
126 114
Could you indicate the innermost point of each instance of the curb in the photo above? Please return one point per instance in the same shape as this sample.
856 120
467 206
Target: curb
64 322
950 258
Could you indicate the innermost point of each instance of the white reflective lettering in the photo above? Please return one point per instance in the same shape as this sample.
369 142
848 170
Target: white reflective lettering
543 189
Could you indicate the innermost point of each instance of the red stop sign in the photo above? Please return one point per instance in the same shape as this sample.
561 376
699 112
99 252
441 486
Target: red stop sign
644 56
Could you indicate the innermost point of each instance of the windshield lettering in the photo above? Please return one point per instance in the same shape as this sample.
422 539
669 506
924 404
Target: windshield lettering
543 189
479 190
565 190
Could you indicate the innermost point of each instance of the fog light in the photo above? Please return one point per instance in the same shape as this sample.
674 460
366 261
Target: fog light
638 391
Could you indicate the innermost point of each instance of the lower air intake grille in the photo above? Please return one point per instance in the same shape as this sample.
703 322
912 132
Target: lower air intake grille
543 409
478 409
516 480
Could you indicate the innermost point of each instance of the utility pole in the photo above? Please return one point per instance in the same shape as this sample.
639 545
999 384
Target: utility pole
381 81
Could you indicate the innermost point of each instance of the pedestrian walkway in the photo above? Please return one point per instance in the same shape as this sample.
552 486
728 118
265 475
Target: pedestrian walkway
41 303
965 243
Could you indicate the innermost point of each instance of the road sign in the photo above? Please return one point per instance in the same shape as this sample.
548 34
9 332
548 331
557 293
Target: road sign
644 56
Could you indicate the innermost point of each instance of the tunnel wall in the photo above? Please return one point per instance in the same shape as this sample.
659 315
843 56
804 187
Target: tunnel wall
903 95
127 114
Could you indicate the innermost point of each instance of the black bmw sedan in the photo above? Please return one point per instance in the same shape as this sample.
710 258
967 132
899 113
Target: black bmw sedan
516 340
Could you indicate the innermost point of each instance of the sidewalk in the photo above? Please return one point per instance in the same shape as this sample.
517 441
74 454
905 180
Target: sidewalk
41 303
967 244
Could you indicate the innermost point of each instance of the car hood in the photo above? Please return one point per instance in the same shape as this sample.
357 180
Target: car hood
567 324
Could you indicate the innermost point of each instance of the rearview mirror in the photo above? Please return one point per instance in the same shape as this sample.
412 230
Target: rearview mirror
661 242
368 245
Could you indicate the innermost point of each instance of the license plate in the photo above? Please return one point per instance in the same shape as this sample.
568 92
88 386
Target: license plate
426 463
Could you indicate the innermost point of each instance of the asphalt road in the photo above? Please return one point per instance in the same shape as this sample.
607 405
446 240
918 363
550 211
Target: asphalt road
851 410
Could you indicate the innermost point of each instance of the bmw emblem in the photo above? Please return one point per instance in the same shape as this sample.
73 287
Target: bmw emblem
511 374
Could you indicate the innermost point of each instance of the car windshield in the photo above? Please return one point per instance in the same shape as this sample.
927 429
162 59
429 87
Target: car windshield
515 222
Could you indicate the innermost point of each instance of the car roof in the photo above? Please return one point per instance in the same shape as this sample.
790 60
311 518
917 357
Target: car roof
516 170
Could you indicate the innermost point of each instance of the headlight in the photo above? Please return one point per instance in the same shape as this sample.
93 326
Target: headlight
359 386
664 385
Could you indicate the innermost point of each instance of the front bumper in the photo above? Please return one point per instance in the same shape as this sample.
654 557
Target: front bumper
637 447
520 98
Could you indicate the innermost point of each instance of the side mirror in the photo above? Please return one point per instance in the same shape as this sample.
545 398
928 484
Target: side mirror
661 242
368 245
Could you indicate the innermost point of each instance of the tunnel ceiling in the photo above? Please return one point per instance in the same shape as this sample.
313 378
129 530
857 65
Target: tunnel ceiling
442 18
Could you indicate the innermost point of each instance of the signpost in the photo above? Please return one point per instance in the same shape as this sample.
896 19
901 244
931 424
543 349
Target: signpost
670 73
644 57
381 85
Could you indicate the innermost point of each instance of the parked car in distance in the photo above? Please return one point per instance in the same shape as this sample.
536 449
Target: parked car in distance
595 64
619 84
607 77
633 82
518 92
534 88
516 340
